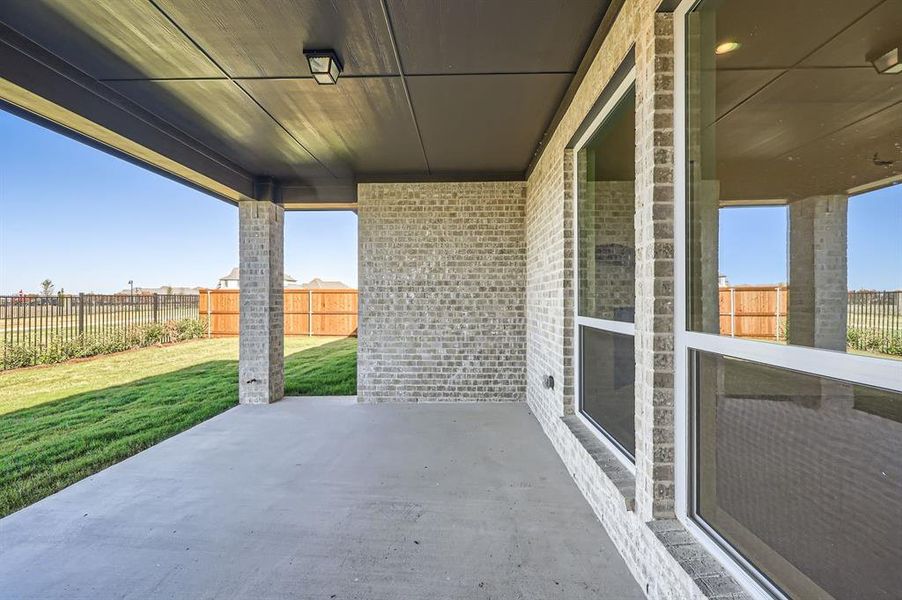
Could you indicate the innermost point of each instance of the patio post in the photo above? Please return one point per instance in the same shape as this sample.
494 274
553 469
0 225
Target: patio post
261 268
818 285
818 273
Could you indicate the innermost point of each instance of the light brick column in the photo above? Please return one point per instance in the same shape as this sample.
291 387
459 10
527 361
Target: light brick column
261 326
818 284
654 267
818 272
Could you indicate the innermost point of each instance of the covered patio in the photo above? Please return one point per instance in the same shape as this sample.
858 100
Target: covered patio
324 498
542 191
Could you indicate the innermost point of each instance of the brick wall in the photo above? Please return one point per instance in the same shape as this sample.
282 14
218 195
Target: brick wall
637 509
442 271
549 283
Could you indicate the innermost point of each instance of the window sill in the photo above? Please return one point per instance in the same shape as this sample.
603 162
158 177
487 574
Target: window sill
623 480
711 578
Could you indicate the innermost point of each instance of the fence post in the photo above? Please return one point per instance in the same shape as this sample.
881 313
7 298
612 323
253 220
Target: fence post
309 312
732 312
777 316
156 306
81 313
209 316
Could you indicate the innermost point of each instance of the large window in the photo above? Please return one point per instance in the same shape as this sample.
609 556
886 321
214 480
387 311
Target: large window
789 332
607 386
802 475
606 208
605 269
795 151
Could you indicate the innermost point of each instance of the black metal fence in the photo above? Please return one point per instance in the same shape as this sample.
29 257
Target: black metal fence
34 322
875 321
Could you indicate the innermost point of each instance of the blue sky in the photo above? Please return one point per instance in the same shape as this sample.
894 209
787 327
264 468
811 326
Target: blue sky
90 222
753 242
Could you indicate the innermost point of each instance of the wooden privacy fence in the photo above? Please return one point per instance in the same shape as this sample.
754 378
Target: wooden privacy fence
753 311
760 312
307 311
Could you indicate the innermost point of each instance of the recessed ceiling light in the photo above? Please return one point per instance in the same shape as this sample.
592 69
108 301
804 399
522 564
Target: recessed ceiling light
726 47
324 66
888 63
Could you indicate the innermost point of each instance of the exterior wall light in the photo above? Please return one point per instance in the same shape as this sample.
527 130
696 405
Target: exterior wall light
888 63
324 66
726 47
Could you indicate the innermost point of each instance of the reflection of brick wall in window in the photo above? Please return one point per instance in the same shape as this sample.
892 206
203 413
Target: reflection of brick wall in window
614 264
615 253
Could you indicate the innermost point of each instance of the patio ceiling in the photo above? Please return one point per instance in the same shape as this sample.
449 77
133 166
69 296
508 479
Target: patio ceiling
431 89
801 111
216 92
798 111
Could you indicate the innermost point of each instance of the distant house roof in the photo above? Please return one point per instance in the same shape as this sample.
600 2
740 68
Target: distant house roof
163 290
317 283
233 276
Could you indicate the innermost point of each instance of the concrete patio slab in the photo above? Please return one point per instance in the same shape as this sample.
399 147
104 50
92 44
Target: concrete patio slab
324 499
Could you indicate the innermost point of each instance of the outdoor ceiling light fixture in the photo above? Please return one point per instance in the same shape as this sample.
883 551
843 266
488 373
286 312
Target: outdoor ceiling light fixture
888 63
726 47
324 66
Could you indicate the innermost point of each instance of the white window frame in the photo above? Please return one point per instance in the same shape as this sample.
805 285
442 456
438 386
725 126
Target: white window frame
872 371
620 327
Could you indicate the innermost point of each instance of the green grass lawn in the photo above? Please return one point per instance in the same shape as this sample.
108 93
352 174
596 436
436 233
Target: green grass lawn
61 423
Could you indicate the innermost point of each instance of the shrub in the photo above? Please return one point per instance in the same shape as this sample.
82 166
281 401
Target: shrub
152 333
15 357
189 329
871 340
117 340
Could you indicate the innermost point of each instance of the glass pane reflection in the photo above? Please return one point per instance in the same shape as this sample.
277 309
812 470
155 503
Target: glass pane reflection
802 475
795 160
608 374
606 206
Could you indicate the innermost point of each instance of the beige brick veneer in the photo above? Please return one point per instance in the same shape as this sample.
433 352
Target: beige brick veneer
261 374
442 273
638 512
